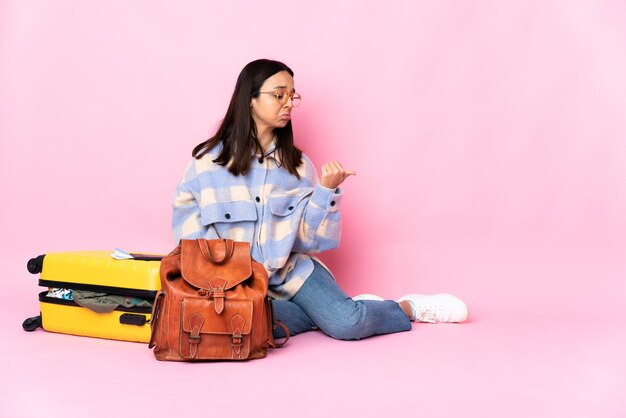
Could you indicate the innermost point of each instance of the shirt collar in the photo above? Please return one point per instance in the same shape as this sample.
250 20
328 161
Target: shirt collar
271 152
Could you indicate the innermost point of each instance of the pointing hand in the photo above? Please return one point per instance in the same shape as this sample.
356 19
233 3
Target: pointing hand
333 174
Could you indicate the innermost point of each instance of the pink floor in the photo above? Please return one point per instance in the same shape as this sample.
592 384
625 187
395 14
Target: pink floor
515 362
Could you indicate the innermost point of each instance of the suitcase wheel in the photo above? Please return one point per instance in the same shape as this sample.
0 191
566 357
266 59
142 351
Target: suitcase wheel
35 265
32 324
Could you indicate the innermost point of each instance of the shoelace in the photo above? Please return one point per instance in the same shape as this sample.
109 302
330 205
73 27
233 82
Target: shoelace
429 314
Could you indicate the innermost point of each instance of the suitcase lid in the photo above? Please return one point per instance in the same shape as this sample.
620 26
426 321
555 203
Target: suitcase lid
98 268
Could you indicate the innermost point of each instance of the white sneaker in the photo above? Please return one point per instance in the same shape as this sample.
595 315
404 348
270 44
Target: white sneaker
442 307
367 296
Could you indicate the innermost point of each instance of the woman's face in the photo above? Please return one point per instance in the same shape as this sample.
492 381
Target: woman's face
267 111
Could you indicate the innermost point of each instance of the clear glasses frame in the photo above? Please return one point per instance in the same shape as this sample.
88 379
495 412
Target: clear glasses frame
283 96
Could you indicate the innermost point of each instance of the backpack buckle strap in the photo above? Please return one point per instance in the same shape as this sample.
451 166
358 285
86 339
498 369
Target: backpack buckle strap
218 295
237 323
195 325
236 343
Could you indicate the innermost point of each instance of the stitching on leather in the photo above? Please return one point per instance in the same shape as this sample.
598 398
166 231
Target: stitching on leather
167 329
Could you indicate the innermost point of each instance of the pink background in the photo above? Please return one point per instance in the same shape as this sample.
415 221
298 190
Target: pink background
489 142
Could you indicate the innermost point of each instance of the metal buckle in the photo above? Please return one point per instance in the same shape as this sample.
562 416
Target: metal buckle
236 340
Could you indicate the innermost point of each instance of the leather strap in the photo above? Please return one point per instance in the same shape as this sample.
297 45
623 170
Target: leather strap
218 299
195 325
237 323
275 322
154 317
206 250
274 344
218 293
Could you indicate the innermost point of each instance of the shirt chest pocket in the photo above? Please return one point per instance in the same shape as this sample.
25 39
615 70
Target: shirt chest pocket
232 220
286 215
283 206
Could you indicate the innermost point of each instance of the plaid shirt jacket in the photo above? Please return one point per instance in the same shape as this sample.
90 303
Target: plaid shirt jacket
284 219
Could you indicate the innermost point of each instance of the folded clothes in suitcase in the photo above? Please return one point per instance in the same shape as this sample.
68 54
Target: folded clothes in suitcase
131 281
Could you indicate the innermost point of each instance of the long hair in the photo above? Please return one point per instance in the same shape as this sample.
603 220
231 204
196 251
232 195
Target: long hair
238 132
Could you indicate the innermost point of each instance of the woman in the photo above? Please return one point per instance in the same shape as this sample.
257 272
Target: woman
249 182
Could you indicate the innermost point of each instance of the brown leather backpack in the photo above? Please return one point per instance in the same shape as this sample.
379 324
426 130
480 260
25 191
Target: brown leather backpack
213 304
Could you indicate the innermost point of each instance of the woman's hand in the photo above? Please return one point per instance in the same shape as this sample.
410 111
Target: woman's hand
333 174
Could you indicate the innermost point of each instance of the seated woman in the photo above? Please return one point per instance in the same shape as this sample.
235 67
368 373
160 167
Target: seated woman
249 182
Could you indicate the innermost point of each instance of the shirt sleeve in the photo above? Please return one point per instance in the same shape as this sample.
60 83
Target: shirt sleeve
186 209
320 226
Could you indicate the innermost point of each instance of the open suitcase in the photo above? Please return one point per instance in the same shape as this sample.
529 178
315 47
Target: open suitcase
95 271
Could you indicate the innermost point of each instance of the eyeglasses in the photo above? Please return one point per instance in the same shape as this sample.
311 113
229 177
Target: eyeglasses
283 96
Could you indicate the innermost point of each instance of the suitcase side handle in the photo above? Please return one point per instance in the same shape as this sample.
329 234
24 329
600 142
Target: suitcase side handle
132 319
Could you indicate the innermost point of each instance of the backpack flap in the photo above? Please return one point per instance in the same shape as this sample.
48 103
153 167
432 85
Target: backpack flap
215 264
208 335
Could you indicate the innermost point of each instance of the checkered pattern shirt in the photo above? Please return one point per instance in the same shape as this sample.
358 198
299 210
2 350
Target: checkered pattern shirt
284 219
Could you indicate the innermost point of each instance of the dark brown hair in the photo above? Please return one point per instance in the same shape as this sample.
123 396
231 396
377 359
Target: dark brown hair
237 131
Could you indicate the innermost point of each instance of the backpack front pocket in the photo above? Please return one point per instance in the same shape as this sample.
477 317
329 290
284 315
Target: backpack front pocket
209 335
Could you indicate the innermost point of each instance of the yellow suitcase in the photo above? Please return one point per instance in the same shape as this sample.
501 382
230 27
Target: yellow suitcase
99 272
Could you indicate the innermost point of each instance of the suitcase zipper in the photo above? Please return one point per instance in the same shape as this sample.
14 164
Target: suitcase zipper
138 293
135 309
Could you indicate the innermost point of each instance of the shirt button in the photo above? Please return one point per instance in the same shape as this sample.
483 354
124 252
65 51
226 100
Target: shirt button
258 199
332 203
227 216
261 160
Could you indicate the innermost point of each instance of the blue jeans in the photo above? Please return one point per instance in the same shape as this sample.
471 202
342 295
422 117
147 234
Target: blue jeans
320 303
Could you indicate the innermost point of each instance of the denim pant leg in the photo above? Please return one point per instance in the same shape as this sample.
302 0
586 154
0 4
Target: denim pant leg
292 316
322 301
